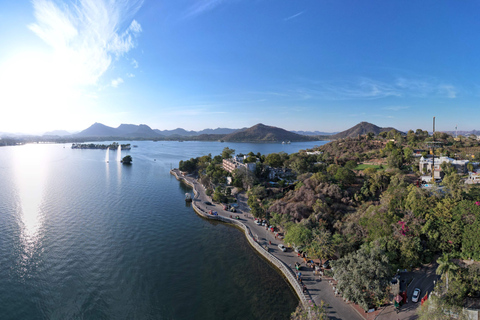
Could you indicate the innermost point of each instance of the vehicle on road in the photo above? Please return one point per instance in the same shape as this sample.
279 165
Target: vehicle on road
282 247
208 203
415 295
326 265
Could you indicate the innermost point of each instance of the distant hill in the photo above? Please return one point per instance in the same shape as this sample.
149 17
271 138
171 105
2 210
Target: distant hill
361 128
314 133
99 130
143 131
263 133
184 133
59 133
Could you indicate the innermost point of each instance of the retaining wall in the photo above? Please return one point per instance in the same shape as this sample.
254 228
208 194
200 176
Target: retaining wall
287 272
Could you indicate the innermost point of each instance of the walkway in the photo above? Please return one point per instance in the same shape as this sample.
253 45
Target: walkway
259 237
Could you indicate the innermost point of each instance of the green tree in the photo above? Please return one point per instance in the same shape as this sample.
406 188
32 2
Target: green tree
274 160
227 153
446 267
321 245
345 176
127 159
298 234
363 277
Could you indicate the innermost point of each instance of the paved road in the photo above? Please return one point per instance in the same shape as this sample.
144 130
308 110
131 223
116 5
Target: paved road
318 289
321 289
422 278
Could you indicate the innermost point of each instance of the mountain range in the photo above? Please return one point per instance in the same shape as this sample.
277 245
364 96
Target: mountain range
257 133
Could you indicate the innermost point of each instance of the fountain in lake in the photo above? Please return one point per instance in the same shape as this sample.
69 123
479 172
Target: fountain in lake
119 153
107 156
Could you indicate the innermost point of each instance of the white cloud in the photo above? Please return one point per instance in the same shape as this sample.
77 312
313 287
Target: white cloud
116 82
85 35
448 90
294 16
202 6
368 89
135 63
396 108
130 75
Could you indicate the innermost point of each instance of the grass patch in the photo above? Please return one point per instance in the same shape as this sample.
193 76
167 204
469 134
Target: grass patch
365 166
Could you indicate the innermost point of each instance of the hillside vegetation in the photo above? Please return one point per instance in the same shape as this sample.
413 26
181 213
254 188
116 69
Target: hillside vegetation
336 204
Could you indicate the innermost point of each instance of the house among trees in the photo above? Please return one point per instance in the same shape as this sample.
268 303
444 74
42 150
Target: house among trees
425 166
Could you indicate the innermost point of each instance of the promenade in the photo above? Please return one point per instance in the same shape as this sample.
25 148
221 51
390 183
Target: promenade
317 289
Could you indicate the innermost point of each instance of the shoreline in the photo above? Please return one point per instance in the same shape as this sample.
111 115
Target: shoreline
305 299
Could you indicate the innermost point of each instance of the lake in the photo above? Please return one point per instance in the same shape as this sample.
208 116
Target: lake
84 239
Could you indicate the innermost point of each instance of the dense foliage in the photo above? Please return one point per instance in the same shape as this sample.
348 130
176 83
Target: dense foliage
357 200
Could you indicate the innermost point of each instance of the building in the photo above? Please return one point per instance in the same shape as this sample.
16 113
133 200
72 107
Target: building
426 165
473 177
235 163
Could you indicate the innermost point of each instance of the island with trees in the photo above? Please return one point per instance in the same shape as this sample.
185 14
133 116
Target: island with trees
360 202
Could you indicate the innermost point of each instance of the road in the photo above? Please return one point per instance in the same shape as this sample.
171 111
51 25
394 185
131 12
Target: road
322 289
318 289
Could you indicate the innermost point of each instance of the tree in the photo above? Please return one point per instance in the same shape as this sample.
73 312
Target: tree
127 159
446 267
321 245
363 277
312 313
345 176
227 153
298 234
351 164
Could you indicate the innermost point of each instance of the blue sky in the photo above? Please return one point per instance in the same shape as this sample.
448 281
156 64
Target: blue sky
299 65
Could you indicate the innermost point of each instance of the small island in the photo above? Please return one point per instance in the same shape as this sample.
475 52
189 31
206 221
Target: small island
127 159
113 146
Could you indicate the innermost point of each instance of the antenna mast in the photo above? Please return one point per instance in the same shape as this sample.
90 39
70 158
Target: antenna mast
433 152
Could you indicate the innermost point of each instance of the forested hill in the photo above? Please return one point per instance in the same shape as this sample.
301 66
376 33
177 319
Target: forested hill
263 133
360 129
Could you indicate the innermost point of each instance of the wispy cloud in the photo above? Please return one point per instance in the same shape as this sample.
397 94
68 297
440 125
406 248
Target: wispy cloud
116 82
87 34
396 108
426 87
369 89
130 75
134 63
448 90
201 7
363 88
294 16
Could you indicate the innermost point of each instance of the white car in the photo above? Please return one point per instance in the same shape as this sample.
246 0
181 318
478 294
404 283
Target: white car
282 247
415 295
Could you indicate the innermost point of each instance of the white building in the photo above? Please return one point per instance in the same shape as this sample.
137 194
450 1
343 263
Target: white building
236 162
426 164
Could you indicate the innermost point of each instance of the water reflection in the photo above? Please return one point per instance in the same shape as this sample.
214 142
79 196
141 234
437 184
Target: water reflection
30 173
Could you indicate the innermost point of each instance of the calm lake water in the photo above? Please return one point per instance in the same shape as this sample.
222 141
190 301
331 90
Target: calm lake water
84 239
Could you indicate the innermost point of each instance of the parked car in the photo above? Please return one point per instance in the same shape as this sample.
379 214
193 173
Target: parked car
326 264
415 295
208 203
282 247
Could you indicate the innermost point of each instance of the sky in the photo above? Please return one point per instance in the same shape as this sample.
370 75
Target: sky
309 65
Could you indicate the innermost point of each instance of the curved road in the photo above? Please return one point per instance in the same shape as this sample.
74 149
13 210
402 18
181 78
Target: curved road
318 289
